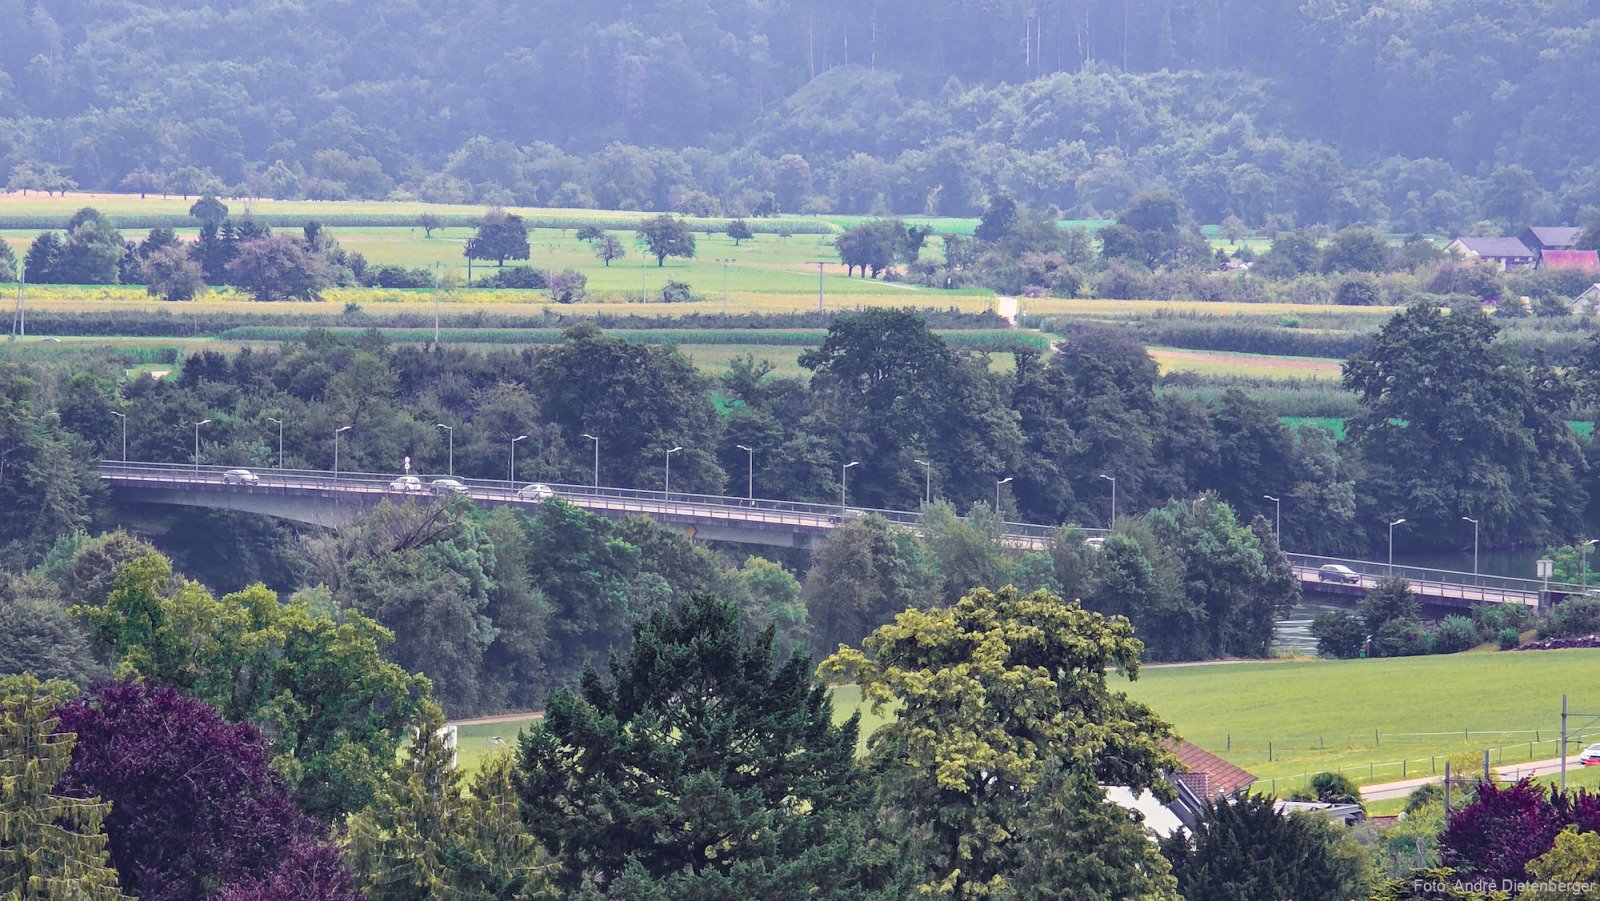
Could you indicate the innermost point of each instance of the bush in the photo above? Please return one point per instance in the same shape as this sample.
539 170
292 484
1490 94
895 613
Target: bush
520 277
1572 617
678 292
1358 291
1335 788
1339 633
400 277
1455 634
569 286
1508 638
1403 637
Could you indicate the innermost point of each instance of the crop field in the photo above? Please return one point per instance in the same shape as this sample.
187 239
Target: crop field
1213 362
1106 308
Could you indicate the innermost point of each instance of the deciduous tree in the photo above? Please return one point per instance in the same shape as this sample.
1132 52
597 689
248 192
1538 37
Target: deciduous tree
667 236
992 697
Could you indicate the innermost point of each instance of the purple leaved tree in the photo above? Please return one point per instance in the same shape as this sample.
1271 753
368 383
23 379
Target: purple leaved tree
311 872
1502 830
196 807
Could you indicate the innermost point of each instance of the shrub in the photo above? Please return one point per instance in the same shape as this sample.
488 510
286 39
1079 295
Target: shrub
1572 617
1455 633
1508 638
678 292
569 286
1358 291
1339 633
1335 788
400 277
1402 637
520 277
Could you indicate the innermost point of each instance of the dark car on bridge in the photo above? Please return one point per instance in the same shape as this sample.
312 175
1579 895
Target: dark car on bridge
1335 572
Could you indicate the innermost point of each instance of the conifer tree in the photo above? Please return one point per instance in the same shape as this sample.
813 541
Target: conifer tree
50 846
425 837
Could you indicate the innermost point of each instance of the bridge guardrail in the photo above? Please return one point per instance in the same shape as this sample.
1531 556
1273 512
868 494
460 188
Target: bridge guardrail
1428 575
633 499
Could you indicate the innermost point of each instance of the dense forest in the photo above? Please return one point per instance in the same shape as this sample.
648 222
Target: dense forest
1430 116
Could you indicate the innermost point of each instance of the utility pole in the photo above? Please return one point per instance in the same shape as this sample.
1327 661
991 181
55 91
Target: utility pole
725 285
820 307
19 321
1566 715
435 306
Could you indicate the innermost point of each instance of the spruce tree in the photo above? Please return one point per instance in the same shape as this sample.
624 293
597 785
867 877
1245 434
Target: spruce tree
706 767
50 846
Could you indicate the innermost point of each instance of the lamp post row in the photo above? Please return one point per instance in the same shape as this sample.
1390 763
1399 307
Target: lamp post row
750 491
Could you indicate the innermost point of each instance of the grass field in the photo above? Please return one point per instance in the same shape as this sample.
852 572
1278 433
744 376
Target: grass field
1137 309
1216 362
1321 715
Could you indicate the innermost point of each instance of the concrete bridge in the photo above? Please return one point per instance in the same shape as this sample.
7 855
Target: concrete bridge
332 499
329 499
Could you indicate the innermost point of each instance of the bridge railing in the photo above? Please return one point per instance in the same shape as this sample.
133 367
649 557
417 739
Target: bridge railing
645 500
1420 575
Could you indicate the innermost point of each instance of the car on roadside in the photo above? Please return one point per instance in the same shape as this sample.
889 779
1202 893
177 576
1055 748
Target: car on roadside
408 485
1338 572
240 477
443 487
538 491
1590 756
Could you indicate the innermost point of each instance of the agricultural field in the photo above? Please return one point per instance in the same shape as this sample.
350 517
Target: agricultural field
1211 362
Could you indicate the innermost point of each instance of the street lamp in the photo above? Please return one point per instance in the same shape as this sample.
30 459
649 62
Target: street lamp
596 457
997 492
1583 566
336 433
1474 542
843 470
280 439
666 486
511 467
451 431
1113 498
927 480
751 453
1277 519
197 444
124 418
1391 543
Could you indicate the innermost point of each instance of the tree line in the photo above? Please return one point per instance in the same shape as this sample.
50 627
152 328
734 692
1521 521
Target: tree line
1328 115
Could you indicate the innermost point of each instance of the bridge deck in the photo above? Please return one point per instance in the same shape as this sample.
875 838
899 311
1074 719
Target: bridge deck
330 499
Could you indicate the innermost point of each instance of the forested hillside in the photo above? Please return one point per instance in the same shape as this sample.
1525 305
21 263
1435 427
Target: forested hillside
1429 115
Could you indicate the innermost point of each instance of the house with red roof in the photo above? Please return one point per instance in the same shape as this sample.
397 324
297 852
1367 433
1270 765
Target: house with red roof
1586 260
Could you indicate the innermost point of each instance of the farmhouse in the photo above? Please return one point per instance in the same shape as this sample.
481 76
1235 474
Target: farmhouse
1202 777
1587 260
1551 237
1507 253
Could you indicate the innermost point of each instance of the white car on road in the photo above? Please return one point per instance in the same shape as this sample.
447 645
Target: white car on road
1590 756
443 487
408 484
240 477
538 491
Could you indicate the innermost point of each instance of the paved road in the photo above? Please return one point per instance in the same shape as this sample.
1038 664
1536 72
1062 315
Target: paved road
1388 791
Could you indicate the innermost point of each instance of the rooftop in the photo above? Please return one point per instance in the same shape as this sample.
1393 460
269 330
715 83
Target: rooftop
1497 247
1206 774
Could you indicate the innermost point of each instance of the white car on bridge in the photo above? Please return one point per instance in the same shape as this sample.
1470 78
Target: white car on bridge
240 477
443 487
538 491
408 485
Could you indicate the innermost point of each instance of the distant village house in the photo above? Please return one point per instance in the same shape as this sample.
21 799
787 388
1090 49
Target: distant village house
1507 253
